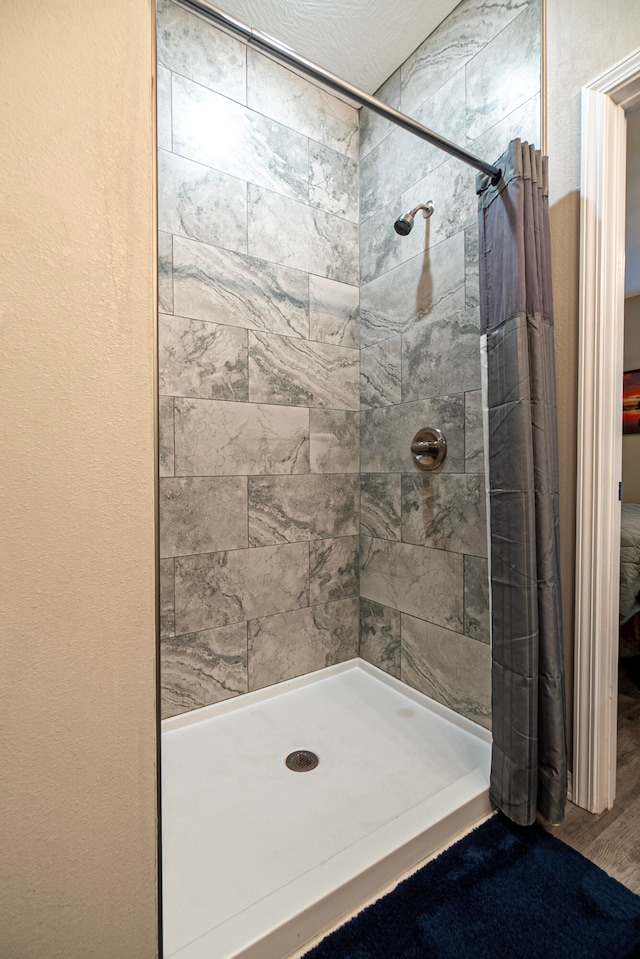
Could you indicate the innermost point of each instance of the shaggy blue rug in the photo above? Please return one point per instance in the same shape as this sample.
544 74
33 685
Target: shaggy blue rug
502 892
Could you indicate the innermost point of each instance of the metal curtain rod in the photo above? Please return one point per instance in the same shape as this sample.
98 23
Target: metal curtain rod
283 52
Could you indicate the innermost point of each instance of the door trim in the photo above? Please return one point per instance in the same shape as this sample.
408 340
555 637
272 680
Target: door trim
601 326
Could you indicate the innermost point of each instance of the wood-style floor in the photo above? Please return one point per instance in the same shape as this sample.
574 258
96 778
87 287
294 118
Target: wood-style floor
612 839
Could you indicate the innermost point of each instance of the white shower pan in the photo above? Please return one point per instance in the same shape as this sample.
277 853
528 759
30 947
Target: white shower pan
259 859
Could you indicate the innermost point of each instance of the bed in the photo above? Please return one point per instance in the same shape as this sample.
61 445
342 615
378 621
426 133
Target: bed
630 577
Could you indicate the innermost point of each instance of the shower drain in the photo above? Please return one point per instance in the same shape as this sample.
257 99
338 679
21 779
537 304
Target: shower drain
302 761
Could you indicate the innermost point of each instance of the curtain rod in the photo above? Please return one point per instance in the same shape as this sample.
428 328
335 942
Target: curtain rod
281 51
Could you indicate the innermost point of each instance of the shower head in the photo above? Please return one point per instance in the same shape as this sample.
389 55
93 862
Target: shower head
404 224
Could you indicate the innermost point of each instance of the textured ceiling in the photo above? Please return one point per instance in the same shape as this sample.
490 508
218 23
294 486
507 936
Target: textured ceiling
363 41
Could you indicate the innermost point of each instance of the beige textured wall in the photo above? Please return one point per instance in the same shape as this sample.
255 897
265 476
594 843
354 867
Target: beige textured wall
631 468
631 359
584 38
632 212
77 696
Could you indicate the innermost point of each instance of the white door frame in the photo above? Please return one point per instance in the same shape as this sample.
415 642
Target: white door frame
602 240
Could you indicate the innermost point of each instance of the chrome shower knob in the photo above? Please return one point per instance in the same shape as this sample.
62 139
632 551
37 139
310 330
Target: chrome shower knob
429 448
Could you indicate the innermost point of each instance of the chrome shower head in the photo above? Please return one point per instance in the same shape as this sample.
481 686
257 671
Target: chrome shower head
404 224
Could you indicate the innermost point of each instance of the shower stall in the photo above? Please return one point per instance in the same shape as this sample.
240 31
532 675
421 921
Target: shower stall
319 592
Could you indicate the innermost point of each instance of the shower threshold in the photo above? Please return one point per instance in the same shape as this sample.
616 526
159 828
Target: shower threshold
258 858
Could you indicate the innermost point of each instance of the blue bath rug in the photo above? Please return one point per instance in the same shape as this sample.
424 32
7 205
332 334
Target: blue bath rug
502 892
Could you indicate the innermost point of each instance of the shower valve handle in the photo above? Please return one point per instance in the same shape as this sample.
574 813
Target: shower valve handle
429 448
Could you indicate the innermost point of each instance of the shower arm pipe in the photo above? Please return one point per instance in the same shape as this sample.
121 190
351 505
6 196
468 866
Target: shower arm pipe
284 53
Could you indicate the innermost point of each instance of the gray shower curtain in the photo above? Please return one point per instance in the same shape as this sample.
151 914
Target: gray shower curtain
529 766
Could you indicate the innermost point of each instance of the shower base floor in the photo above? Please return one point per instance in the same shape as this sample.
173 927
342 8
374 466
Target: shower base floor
259 859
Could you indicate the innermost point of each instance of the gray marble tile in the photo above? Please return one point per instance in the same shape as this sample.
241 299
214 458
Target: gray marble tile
163 118
384 172
167 599
166 439
295 643
333 182
374 128
430 285
214 438
505 73
471 277
403 159
201 203
202 514
476 599
381 374
202 359
445 512
386 434
450 668
334 569
423 582
285 231
333 312
473 433
302 105
292 509
380 505
302 373
442 357
444 110
523 122
452 187
465 31
215 589
192 46
230 138
165 273
203 668
380 636
219 286
335 441
380 245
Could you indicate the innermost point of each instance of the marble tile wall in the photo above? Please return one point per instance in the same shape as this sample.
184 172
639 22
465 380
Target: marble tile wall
423 551
259 368
303 343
